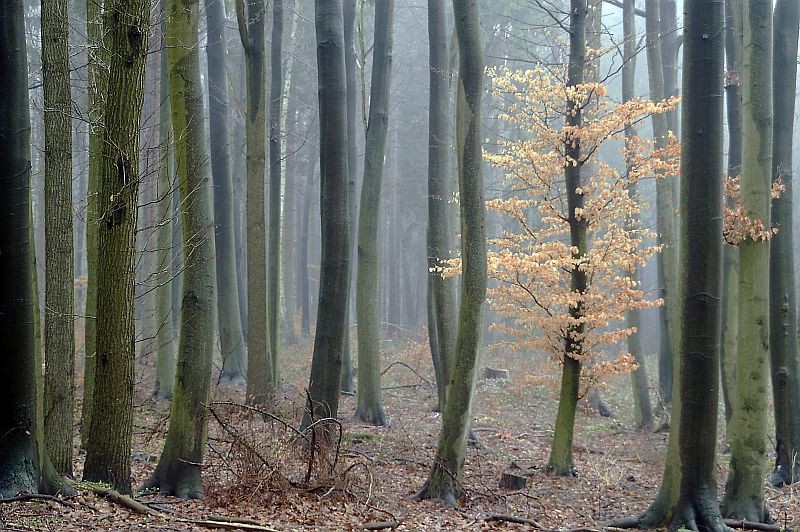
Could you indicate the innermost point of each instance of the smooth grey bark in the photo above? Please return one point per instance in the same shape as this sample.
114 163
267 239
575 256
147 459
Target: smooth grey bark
334 282
441 295
445 480
274 266
350 64
19 462
370 408
694 470
59 326
108 443
179 468
784 361
231 337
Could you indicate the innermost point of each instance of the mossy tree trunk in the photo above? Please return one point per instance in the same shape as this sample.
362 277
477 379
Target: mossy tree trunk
785 366
97 82
641 396
560 462
370 408
693 502
165 336
441 296
259 361
19 462
59 327
730 261
744 490
179 467
231 337
275 106
108 443
445 480
334 282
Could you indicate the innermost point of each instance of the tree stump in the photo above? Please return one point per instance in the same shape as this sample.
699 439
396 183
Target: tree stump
494 373
511 481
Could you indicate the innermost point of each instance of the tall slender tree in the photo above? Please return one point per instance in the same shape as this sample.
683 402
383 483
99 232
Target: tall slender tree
785 364
334 281
108 443
59 327
441 296
179 467
275 109
231 337
744 490
370 408
445 480
688 497
259 361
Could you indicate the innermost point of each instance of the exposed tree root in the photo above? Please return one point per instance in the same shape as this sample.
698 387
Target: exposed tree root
636 522
37 497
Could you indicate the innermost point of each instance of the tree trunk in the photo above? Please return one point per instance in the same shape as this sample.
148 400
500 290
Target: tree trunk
275 105
744 490
665 204
259 361
701 251
231 338
370 408
641 396
441 309
108 443
785 367
334 280
730 264
97 84
445 480
165 337
18 448
59 333
302 255
349 13
179 467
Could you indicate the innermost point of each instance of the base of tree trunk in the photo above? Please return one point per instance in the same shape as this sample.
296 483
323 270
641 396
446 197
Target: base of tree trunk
233 378
782 475
373 415
182 481
17 475
746 510
440 486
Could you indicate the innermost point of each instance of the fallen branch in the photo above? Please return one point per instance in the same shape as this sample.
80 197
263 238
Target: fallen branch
37 497
380 525
226 524
118 498
513 519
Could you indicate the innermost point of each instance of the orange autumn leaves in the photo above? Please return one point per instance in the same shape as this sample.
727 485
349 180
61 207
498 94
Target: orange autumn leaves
532 261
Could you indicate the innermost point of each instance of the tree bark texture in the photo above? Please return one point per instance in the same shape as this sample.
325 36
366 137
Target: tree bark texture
59 326
179 467
785 365
334 281
108 444
370 408
445 480
231 337
744 490
18 451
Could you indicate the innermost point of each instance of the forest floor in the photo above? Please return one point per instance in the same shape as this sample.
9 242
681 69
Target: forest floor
256 472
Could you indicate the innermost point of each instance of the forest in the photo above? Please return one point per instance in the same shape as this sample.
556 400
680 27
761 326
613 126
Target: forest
399 265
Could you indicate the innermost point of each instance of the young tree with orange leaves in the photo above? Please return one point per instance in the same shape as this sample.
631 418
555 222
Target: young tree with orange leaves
565 276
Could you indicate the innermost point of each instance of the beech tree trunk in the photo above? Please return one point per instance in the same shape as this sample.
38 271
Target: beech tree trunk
334 281
744 490
445 480
59 327
19 461
108 443
785 365
179 467
441 296
370 408
259 361
231 337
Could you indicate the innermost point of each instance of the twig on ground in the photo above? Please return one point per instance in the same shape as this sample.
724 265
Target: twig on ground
380 525
37 497
512 519
414 371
